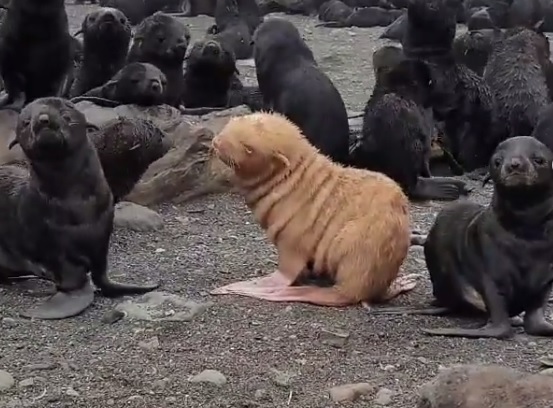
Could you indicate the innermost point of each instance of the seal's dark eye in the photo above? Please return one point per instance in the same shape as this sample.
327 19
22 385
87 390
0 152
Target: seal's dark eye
66 117
539 161
497 161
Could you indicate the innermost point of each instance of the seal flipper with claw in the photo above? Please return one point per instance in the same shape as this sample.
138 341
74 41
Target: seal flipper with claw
60 216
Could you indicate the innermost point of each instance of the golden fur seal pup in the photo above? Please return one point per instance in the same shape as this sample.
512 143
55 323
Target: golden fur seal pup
350 226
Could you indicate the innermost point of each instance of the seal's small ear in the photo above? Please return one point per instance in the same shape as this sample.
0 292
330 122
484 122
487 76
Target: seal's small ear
487 179
283 159
13 143
539 27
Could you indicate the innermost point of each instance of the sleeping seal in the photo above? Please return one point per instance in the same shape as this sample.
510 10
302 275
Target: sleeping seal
57 218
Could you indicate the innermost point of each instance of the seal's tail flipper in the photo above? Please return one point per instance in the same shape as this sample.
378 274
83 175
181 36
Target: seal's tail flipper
322 296
331 24
63 304
489 331
439 188
113 289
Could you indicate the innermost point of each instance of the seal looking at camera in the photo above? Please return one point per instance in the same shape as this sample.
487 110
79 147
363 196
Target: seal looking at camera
497 260
58 216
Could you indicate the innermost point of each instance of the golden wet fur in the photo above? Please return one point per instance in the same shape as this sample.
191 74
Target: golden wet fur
352 224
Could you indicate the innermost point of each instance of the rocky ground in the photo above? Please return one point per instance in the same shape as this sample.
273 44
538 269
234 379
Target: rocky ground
257 354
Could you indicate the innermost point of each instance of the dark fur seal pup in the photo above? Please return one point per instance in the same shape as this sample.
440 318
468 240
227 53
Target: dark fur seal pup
386 57
59 217
106 38
430 28
136 83
473 48
126 148
480 19
293 85
210 68
231 29
515 75
193 8
32 32
364 17
397 134
497 259
162 40
525 13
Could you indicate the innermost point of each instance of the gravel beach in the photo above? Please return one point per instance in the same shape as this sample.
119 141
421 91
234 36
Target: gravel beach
257 354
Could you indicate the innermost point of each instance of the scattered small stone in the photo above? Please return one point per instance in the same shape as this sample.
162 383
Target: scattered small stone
532 344
14 403
112 316
336 339
153 306
389 367
71 392
260 394
171 400
9 322
282 378
350 392
110 401
209 376
6 380
40 366
28 382
547 371
160 250
150 344
547 360
383 397
136 217
159 385
423 360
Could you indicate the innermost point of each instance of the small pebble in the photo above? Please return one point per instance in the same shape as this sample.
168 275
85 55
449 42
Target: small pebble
112 316
71 392
209 376
350 392
282 378
547 371
6 380
335 339
383 397
149 345
28 382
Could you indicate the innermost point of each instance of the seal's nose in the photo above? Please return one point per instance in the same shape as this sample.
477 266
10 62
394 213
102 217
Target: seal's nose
514 164
108 17
212 48
156 86
43 119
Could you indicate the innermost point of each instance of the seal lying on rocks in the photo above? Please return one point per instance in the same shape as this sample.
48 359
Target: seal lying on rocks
136 83
58 217
475 386
497 259
345 225
126 147
35 51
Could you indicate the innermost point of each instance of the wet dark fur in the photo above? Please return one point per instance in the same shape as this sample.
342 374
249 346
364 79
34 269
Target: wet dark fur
126 147
397 133
60 214
543 131
35 50
292 84
106 38
464 102
210 67
515 75
136 83
162 40
231 29
496 260
473 48
334 15
430 27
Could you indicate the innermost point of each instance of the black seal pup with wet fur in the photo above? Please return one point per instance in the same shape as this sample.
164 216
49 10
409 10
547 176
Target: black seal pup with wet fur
35 51
59 215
